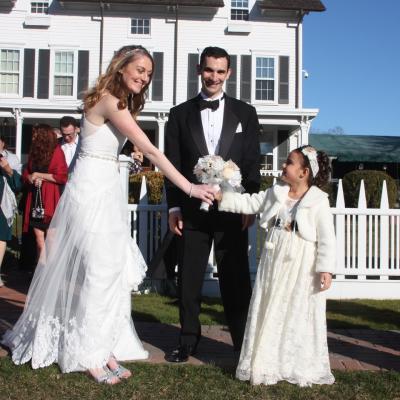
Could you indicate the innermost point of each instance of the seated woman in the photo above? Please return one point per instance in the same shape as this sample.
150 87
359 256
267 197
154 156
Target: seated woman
46 172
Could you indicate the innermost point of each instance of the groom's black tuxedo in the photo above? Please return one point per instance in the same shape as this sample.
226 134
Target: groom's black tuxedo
184 145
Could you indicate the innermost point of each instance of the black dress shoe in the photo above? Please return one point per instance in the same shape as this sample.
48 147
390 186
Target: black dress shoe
181 354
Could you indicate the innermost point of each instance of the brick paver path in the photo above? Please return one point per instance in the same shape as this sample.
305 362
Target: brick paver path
350 349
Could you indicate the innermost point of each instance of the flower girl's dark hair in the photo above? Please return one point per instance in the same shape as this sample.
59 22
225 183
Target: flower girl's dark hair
324 167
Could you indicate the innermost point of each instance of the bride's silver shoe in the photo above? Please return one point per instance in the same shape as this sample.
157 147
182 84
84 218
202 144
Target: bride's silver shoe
121 372
109 378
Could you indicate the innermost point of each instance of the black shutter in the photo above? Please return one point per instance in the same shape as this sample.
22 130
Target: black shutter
83 72
193 78
283 147
157 82
245 79
43 74
29 73
231 83
283 80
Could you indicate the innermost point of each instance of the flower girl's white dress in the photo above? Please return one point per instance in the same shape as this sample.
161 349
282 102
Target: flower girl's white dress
286 335
78 309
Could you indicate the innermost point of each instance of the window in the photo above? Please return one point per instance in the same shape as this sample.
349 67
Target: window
9 71
240 10
265 79
140 26
63 73
39 7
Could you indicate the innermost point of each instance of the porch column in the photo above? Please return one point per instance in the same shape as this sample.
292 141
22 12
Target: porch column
19 119
303 134
161 120
124 163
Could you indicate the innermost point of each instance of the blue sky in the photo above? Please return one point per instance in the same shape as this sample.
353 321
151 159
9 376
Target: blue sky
352 54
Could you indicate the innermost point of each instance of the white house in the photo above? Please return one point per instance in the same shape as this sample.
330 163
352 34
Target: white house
52 50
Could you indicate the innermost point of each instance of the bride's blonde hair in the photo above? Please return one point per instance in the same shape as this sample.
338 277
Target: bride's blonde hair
112 82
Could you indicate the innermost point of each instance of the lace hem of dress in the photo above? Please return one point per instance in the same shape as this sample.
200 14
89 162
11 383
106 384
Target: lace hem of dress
45 340
272 379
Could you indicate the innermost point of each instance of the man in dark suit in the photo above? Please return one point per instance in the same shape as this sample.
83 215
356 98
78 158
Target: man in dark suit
211 123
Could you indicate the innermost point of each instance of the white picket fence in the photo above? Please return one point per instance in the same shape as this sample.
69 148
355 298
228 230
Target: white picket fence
368 244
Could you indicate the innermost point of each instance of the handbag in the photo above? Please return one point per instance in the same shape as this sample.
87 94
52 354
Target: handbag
37 209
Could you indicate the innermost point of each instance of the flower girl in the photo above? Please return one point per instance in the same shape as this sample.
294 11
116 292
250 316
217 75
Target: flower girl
286 336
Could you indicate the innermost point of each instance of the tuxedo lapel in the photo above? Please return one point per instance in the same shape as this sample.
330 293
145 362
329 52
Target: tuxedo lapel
229 126
196 129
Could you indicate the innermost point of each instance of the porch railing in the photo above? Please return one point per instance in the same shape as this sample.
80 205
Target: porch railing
367 243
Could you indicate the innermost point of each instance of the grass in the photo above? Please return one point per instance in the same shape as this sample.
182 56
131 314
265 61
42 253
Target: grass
185 383
343 314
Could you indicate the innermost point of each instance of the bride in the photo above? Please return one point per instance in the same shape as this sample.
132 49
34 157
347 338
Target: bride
78 307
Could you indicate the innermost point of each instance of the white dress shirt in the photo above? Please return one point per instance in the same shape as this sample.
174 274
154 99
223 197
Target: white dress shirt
69 150
212 123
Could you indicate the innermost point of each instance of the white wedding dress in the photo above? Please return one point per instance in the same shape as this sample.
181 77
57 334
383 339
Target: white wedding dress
78 309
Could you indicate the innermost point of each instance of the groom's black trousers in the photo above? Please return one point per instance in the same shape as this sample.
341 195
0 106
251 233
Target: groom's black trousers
231 252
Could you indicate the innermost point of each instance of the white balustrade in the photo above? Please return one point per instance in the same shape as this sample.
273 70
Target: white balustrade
367 245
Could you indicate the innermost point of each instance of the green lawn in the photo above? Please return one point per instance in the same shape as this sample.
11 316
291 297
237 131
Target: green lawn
348 314
185 383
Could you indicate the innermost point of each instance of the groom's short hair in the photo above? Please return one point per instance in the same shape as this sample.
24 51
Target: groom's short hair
216 52
67 121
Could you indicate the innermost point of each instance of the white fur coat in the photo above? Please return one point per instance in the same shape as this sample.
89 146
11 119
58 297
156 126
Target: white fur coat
314 218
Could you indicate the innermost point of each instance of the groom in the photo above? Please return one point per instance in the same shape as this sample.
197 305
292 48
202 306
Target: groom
211 123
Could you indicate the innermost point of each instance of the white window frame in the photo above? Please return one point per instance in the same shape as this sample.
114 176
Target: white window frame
39 2
239 8
139 35
52 74
20 72
254 78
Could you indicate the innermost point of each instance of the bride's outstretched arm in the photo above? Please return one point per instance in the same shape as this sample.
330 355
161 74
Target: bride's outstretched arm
124 122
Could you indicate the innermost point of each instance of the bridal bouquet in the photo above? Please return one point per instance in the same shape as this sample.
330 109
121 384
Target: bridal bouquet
222 175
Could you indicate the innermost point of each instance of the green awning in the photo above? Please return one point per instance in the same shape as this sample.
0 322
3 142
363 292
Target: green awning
362 148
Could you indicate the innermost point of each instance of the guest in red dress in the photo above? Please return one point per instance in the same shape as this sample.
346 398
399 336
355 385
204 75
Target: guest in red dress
46 171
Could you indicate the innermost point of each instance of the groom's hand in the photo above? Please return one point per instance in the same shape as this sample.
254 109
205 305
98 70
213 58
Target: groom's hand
175 222
247 221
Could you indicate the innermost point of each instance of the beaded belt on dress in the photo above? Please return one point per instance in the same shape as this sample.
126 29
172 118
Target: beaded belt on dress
105 157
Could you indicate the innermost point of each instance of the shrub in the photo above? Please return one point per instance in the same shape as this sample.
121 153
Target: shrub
155 183
266 182
373 181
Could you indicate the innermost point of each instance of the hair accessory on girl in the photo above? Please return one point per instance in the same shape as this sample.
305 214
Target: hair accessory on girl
311 154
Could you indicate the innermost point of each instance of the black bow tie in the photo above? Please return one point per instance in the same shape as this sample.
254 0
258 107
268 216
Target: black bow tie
213 105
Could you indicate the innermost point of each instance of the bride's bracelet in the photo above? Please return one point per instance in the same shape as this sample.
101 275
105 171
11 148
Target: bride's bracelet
190 191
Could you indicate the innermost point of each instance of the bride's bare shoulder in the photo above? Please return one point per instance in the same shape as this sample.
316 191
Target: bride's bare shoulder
108 101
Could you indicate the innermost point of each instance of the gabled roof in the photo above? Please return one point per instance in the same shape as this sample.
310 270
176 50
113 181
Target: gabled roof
358 148
306 5
188 3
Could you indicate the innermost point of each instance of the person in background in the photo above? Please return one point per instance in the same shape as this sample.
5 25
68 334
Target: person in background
46 171
69 131
11 158
10 182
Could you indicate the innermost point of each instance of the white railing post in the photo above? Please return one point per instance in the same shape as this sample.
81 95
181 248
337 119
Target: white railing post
143 200
362 234
340 233
384 233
